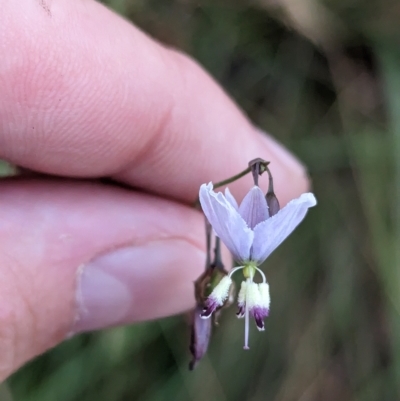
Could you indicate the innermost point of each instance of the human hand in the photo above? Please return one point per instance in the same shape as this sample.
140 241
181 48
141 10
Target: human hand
83 95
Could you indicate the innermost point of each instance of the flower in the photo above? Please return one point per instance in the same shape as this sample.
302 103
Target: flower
248 231
251 234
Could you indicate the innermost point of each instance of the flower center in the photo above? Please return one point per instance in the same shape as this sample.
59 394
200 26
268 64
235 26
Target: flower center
249 271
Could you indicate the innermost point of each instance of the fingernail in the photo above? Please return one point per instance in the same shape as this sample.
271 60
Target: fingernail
137 283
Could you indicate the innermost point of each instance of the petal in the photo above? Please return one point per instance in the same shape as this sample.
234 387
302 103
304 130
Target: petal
254 208
229 197
264 295
221 291
226 222
217 297
242 293
269 234
252 295
259 314
241 311
241 300
210 307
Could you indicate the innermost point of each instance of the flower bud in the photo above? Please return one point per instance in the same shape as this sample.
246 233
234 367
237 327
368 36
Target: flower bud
273 203
199 336
272 200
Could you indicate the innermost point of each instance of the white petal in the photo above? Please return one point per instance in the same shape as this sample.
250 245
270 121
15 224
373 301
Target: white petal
269 234
229 197
242 294
221 290
254 208
264 295
253 296
226 222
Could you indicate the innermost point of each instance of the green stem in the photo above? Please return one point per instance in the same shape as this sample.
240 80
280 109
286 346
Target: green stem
237 176
232 179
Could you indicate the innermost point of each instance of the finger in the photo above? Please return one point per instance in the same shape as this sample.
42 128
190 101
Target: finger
80 256
84 93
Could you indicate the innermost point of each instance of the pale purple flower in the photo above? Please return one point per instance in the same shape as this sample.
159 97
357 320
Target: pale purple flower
251 235
247 230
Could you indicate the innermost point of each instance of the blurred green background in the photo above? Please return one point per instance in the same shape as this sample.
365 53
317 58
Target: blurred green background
324 77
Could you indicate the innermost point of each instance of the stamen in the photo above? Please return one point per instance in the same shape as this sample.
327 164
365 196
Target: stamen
262 274
235 270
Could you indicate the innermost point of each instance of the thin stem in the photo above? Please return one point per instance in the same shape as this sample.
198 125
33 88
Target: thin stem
262 274
235 270
255 172
240 175
270 182
258 166
232 179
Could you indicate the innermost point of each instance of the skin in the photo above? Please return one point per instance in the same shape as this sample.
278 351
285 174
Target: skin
84 94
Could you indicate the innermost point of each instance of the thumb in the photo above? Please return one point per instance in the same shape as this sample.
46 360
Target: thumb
80 256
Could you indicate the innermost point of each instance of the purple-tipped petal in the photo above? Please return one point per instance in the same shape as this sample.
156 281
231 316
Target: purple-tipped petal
269 234
254 208
240 312
259 314
226 222
242 300
229 197
211 306
258 300
217 297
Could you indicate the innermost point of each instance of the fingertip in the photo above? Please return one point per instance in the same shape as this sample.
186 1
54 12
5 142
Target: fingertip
152 117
